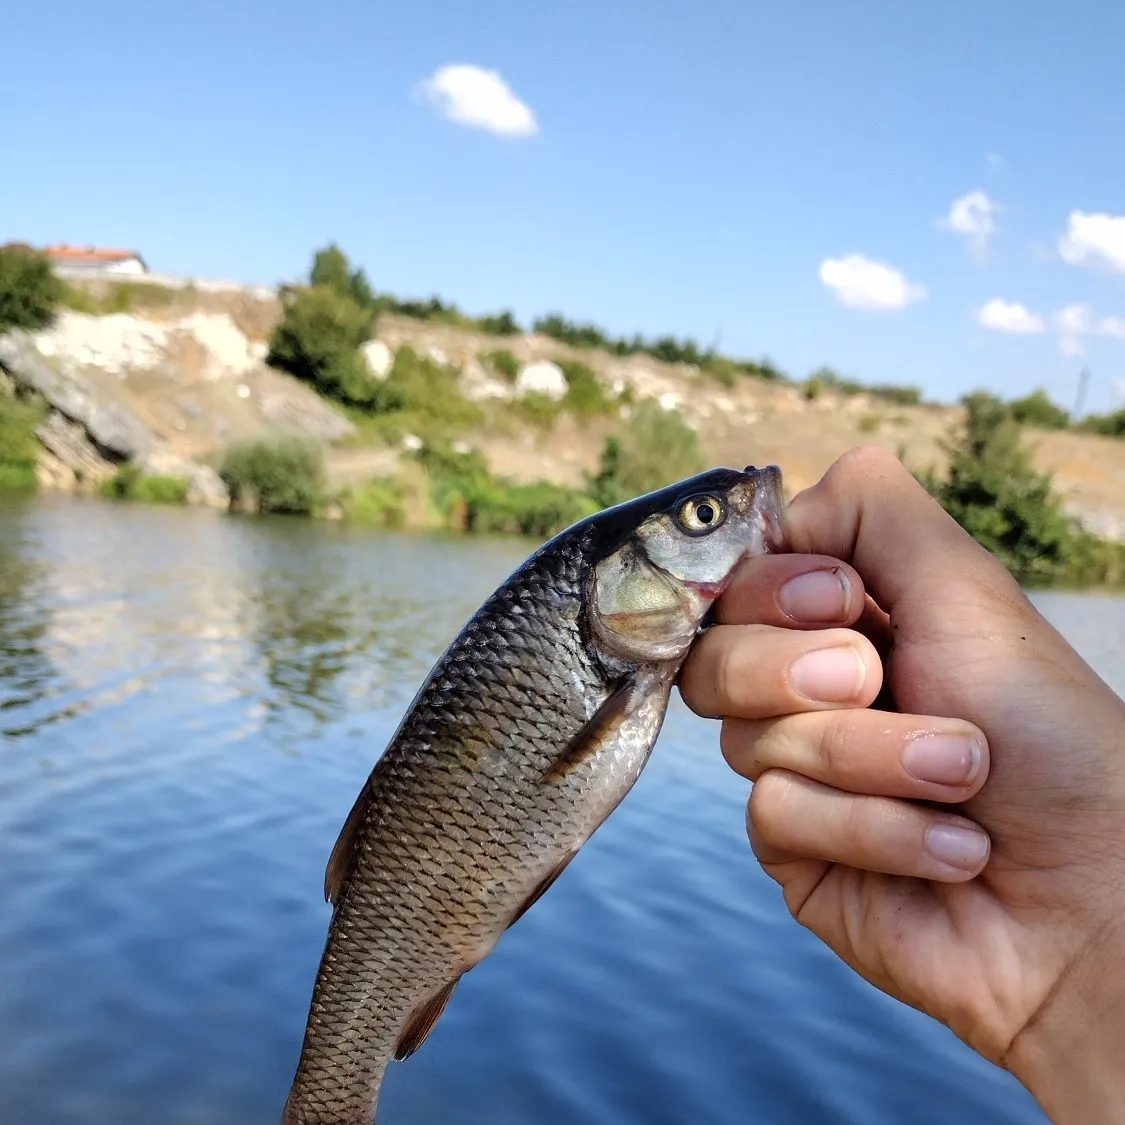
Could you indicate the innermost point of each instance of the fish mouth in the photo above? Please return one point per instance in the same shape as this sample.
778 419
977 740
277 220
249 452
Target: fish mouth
714 590
769 506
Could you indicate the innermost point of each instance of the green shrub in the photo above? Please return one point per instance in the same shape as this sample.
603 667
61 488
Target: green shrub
869 423
502 361
898 394
1037 409
30 291
378 502
502 324
762 369
655 448
283 474
131 483
1110 425
722 370
461 482
585 396
538 510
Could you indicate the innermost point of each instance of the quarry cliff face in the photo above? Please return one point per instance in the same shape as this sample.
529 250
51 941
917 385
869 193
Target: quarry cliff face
169 388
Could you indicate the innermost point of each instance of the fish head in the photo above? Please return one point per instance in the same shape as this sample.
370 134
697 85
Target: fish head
674 552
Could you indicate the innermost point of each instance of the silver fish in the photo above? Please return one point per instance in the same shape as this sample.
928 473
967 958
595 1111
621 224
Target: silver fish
527 734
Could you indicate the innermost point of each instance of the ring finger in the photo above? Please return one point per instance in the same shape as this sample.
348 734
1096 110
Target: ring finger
875 752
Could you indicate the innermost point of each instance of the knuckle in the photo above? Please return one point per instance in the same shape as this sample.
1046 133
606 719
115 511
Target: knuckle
751 746
766 809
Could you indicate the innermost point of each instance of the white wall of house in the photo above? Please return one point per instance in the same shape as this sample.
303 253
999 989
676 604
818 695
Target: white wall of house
132 267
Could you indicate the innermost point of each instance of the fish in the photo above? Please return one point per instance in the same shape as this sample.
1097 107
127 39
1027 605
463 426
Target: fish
527 733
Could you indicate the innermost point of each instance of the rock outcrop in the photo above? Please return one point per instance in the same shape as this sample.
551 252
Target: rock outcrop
158 394
541 378
114 429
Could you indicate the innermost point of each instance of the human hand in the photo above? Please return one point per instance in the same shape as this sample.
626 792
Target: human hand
871 820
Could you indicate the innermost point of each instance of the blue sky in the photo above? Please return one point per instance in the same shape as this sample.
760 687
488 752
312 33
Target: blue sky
690 167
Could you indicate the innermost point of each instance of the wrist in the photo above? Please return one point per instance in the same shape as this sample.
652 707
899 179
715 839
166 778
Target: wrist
1072 1055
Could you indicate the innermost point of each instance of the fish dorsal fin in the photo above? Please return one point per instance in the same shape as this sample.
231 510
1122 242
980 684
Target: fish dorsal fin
343 852
602 725
422 1020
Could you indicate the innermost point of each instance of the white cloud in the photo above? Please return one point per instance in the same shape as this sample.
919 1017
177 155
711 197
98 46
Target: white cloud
479 98
1112 326
1094 239
1007 316
1076 321
861 283
973 215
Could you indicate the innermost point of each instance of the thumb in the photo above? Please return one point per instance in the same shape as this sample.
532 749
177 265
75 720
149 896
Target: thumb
868 510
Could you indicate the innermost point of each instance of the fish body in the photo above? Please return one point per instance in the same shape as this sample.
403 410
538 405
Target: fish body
527 733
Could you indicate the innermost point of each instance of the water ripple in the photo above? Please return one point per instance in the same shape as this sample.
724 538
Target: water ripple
188 705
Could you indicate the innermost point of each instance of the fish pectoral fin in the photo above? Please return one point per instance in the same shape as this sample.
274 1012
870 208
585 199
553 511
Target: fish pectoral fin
542 887
422 1020
589 740
343 852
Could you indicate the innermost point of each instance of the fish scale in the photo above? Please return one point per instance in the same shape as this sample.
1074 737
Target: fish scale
524 737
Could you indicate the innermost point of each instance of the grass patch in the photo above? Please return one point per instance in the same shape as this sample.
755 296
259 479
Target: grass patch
379 502
469 496
502 362
124 297
131 483
585 396
537 408
17 478
19 446
284 474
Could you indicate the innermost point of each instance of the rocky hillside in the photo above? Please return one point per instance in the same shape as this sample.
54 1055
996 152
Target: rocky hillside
171 386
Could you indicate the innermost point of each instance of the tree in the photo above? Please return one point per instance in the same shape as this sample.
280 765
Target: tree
1037 409
332 269
317 340
994 491
30 291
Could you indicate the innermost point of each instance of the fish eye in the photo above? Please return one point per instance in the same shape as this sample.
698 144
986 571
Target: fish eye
701 514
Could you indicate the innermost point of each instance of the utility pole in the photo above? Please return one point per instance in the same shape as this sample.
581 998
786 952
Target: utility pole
1080 400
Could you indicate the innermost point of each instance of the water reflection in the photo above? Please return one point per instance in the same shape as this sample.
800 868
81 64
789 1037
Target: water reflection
25 671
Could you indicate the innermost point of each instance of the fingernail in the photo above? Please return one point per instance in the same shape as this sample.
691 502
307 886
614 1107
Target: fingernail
819 595
830 675
956 845
944 759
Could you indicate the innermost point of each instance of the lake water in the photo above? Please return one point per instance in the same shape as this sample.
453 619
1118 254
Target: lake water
188 705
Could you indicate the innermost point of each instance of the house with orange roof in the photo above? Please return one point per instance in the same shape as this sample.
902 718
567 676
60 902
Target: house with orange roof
95 260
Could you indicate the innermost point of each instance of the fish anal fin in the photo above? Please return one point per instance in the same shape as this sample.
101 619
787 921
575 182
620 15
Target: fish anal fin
422 1020
343 852
602 725
542 887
